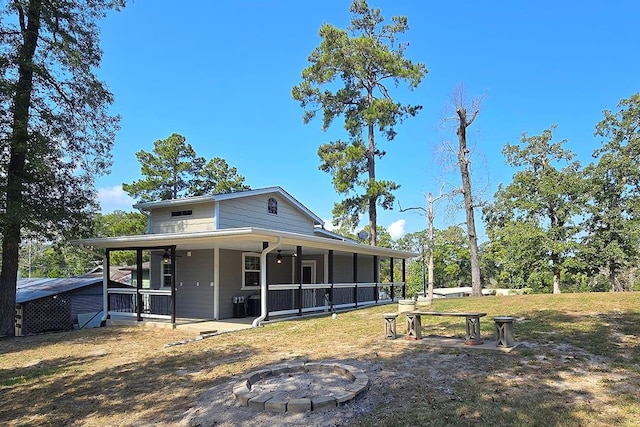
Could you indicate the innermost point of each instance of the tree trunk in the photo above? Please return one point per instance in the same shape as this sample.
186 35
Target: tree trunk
555 268
613 279
431 244
15 172
371 166
463 162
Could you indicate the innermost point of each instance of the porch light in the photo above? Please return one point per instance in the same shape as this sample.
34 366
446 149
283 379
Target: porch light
279 258
166 258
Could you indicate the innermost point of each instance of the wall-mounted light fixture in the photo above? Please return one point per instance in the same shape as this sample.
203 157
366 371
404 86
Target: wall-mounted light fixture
279 257
166 258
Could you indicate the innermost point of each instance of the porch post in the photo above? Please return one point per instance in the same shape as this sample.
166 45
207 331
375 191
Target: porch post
216 283
106 268
355 279
265 245
376 277
404 278
299 277
391 277
330 278
173 285
139 302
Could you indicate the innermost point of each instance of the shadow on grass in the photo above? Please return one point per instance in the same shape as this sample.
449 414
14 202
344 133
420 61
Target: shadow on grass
609 335
42 341
555 381
541 384
59 391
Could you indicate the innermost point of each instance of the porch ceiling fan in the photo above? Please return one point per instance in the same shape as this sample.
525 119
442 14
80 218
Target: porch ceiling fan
280 256
166 257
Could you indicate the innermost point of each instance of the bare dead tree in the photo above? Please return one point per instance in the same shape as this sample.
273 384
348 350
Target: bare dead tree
464 121
465 115
428 211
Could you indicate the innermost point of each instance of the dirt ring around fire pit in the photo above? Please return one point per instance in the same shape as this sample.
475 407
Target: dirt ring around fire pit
300 387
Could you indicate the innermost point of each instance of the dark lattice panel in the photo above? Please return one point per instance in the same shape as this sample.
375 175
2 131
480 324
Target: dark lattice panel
47 314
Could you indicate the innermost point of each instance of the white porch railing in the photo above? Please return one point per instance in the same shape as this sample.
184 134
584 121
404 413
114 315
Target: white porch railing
154 303
296 299
283 299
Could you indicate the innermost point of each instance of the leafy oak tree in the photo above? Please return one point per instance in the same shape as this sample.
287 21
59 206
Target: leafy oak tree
613 226
55 125
62 259
348 77
539 209
172 170
120 223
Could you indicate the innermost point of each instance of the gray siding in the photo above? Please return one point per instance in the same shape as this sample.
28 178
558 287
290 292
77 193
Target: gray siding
343 268
252 212
230 281
194 279
202 219
154 270
279 273
285 272
194 274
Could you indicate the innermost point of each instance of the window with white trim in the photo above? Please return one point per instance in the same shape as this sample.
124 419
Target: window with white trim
250 270
272 206
165 276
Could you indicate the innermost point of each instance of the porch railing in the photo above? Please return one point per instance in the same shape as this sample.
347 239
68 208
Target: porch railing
291 299
284 299
154 303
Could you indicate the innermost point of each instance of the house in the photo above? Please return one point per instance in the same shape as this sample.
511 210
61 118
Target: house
209 255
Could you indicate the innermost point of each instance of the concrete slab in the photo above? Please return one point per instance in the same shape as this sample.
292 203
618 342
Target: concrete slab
198 326
453 342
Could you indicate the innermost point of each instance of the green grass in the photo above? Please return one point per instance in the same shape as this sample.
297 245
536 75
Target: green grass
578 364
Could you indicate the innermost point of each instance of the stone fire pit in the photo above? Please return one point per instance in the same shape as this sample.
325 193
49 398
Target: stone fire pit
300 387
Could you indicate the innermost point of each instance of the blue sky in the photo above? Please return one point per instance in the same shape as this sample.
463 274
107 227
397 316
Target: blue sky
221 73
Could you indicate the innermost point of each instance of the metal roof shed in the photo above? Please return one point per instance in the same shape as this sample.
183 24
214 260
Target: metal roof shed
53 304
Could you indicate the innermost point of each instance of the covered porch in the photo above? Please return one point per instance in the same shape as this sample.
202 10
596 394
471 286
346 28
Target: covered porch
254 274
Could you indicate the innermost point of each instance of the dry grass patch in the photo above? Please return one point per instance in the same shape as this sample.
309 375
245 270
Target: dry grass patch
579 364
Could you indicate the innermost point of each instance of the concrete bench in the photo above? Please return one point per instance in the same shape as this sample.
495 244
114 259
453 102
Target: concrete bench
473 337
504 331
390 331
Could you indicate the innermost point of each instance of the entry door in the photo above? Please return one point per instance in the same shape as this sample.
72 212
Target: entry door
308 277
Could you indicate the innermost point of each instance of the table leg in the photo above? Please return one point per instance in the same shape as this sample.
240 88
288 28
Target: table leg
414 327
473 331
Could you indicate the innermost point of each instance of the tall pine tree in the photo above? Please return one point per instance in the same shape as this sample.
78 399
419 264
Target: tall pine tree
55 125
364 59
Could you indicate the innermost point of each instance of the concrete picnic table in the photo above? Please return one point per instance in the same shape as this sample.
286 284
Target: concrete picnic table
473 337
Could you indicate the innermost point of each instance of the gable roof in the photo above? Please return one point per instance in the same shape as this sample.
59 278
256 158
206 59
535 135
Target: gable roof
229 196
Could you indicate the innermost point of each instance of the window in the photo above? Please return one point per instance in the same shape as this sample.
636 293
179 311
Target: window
165 276
182 213
250 270
272 206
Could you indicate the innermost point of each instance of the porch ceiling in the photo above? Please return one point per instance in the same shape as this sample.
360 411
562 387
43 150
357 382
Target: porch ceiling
245 239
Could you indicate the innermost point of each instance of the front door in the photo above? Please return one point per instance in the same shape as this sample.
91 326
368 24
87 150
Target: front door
309 277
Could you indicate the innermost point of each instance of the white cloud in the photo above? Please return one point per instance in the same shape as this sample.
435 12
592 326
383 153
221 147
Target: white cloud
114 198
328 224
396 229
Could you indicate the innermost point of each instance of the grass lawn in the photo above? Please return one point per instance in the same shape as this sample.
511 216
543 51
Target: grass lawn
578 365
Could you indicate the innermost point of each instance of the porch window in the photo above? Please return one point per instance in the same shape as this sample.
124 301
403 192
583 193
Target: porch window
250 270
165 276
272 206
